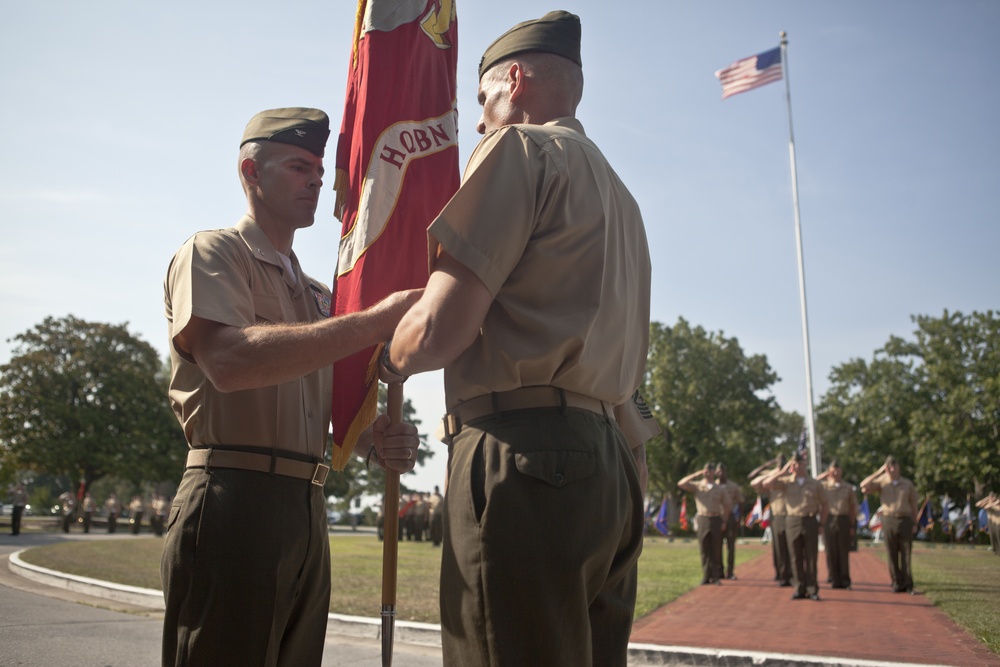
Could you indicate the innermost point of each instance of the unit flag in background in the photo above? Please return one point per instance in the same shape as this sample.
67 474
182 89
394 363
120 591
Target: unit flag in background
756 514
396 168
750 73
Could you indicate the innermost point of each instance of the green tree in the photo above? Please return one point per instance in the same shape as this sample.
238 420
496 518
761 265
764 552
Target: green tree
933 402
86 400
711 401
957 429
865 414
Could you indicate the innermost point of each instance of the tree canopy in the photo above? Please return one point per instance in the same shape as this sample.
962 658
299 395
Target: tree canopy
712 402
86 400
933 402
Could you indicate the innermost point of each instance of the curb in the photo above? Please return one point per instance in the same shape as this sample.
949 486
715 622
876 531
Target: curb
429 634
142 597
688 656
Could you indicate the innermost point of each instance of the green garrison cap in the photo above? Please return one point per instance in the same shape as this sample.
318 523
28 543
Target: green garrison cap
306 128
557 32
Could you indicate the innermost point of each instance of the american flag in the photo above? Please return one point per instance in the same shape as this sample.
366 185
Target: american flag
801 449
750 73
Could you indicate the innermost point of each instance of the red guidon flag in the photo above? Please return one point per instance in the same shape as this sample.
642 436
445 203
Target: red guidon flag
396 168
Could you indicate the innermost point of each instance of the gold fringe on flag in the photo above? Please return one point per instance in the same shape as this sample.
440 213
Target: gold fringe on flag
343 451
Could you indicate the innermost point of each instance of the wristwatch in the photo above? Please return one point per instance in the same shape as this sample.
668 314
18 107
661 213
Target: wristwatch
387 364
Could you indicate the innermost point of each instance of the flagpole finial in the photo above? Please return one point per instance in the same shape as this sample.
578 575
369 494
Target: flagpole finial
784 37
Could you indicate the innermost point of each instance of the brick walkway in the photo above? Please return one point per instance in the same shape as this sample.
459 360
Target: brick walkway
869 622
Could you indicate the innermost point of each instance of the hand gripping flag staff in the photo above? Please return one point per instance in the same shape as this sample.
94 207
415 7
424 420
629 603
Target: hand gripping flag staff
396 167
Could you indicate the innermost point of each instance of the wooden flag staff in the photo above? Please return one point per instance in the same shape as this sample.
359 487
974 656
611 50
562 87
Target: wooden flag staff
390 538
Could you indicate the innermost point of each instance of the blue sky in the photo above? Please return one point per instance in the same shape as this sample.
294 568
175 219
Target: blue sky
121 122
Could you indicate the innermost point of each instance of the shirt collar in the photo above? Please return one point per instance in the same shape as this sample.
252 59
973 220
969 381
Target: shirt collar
263 251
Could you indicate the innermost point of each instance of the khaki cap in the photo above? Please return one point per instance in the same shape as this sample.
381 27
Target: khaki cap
299 126
557 32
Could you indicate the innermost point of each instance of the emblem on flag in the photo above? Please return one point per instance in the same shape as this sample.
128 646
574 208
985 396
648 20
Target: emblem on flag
396 167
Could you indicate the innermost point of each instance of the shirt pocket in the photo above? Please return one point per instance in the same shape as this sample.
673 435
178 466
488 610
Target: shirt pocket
267 308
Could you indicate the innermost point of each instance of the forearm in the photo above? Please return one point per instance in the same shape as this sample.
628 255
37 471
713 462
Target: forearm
759 470
872 482
687 483
772 479
270 354
261 355
443 323
420 343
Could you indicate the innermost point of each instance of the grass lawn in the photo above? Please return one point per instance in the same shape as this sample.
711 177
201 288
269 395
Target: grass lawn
666 571
964 583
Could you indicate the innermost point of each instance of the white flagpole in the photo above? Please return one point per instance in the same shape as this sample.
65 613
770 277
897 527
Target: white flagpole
810 421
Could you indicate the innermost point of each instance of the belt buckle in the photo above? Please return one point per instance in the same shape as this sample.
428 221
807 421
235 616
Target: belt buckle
319 474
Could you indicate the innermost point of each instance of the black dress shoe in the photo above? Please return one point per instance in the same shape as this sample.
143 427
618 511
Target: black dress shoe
705 582
732 576
785 584
798 596
814 596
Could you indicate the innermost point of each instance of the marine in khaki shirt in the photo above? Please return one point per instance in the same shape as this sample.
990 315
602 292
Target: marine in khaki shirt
840 526
991 504
735 497
805 498
537 309
776 497
803 495
712 502
899 511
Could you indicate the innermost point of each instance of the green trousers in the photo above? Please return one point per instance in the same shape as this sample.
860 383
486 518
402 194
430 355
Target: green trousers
245 571
543 530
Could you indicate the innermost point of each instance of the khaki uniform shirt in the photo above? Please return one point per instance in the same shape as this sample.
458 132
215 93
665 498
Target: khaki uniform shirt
777 496
899 499
235 277
841 497
710 498
993 514
734 495
803 496
546 224
434 503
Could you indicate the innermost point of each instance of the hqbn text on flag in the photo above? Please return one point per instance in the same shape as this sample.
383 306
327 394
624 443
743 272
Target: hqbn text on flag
398 146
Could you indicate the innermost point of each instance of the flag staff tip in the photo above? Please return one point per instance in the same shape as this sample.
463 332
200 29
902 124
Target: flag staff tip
783 35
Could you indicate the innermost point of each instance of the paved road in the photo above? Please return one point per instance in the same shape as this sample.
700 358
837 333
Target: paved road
41 626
